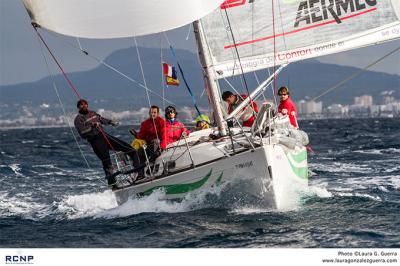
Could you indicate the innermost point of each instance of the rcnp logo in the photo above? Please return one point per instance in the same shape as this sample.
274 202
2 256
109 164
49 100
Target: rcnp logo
233 3
19 259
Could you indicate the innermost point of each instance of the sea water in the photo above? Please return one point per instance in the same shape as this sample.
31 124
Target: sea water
49 197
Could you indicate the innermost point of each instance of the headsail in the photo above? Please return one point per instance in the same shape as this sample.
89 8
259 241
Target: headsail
103 19
303 29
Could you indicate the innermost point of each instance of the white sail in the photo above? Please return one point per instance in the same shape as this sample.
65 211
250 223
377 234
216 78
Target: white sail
103 19
303 29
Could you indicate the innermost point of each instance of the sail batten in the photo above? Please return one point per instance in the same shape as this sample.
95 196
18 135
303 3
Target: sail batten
303 29
104 19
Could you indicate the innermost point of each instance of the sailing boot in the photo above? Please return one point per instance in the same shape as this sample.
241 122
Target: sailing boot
110 176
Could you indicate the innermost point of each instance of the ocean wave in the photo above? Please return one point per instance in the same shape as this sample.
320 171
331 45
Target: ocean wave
86 205
21 205
341 167
156 203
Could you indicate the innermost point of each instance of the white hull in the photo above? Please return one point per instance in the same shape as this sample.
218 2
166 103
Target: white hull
270 172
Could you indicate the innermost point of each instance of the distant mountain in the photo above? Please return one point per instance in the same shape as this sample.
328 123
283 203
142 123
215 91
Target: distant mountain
308 78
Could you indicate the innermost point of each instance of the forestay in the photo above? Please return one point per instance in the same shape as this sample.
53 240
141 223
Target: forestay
103 19
303 29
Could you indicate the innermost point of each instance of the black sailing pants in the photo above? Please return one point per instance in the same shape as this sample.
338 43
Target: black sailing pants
102 149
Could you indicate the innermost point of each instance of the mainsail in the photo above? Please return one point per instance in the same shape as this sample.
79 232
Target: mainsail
303 29
103 19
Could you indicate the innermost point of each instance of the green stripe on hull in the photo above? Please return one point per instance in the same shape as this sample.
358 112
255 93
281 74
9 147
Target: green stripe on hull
219 179
298 158
301 172
180 188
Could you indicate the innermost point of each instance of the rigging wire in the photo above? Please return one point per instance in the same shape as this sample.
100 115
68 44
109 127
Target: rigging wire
35 26
357 73
163 85
79 43
183 76
273 33
240 64
237 53
56 61
284 39
102 62
189 31
145 84
51 74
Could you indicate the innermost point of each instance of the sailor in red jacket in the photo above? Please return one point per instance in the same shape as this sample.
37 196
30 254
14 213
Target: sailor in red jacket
286 106
152 128
152 131
248 112
174 129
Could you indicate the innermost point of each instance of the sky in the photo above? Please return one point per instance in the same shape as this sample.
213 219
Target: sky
21 59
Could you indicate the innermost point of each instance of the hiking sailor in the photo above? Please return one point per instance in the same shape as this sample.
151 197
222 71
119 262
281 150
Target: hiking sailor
247 114
89 126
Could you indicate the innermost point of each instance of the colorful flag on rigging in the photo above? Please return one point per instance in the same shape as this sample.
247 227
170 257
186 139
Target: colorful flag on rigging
170 75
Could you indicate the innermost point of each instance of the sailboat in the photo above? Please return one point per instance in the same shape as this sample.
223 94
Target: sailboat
234 37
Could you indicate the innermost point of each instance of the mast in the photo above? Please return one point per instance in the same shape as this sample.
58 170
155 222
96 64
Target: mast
212 87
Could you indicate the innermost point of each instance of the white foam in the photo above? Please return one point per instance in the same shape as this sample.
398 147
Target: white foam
16 169
21 205
361 195
368 151
319 191
249 210
27 141
152 203
395 180
86 205
337 167
156 203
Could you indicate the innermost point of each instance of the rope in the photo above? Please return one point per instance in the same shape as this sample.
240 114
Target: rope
79 43
163 89
237 54
69 81
284 40
62 105
114 69
64 111
145 84
357 73
189 31
183 75
273 34
56 61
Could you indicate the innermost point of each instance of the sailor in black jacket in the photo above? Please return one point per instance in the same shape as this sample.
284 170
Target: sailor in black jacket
89 126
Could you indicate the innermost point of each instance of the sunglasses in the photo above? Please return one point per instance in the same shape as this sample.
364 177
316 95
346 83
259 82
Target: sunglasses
171 112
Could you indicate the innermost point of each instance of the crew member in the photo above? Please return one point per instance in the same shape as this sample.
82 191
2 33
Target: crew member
248 112
202 122
286 106
89 126
174 130
152 131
